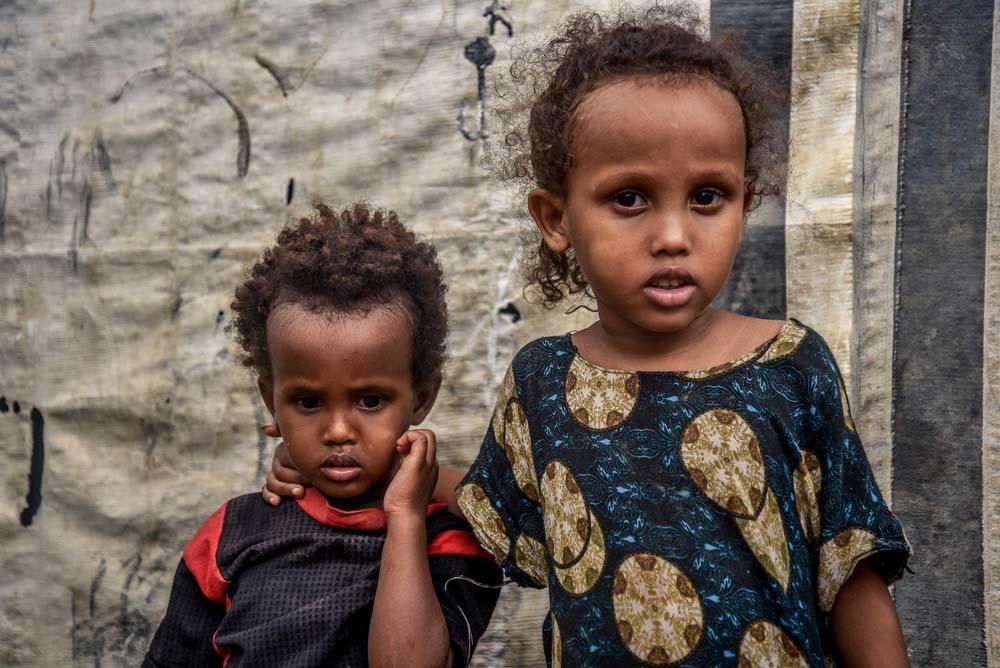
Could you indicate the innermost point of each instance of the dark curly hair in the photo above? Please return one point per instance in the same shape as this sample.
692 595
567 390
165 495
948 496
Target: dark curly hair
591 50
355 259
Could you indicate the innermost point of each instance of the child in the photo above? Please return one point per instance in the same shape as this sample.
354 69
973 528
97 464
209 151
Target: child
343 321
687 482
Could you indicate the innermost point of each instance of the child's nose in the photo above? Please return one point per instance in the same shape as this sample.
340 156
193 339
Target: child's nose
669 234
339 429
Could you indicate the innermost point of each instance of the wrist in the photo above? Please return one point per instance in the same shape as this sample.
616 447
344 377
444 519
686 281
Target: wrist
402 518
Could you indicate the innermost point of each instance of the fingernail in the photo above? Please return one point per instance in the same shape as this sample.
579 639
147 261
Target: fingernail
297 492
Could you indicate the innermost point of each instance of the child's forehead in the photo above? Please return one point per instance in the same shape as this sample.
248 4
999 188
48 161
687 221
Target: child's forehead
621 91
651 102
347 345
383 319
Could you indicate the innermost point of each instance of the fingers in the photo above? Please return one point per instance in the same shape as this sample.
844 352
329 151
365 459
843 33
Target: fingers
431 458
418 447
282 457
283 479
431 453
271 430
419 442
413 485
275 488
283 469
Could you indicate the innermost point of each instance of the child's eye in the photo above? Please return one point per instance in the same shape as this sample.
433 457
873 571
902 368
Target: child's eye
706 197
308 403
370 402
629 199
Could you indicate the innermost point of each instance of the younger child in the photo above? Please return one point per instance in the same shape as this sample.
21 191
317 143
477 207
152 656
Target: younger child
343 321
686 481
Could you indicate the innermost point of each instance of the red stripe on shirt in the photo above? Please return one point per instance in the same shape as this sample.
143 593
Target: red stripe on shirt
457 541
366 519
199 555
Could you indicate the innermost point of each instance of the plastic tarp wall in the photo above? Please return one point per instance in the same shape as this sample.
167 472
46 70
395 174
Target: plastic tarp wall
149 151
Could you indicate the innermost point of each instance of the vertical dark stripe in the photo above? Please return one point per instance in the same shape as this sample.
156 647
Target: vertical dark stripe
938 366
757 284
34 498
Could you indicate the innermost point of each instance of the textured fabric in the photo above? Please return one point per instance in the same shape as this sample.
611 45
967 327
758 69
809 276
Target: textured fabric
299 592
681 518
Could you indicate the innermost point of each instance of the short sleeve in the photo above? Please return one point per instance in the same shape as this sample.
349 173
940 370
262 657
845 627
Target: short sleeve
842 510
499 496
184 637
467 589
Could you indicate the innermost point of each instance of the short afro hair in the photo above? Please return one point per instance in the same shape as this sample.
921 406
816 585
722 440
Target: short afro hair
343 262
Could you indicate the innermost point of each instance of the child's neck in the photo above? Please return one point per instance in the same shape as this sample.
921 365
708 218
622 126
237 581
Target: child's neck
713 338
362 502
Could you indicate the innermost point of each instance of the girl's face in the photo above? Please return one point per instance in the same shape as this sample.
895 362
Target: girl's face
655 201
341 394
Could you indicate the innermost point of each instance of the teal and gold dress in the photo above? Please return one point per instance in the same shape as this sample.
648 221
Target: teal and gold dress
681 518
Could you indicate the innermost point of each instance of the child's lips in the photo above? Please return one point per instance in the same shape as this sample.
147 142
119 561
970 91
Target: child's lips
340 467
670 287
669 297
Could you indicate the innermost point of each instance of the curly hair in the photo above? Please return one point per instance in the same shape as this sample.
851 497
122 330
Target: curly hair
589 51
352 260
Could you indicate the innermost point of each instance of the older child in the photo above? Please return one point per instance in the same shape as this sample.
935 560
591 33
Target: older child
343 321
686 481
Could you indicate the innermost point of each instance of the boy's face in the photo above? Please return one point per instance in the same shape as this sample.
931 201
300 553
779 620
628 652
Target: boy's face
341 394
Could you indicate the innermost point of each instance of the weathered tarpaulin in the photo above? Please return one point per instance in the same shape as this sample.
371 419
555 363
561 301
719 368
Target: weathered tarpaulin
148 151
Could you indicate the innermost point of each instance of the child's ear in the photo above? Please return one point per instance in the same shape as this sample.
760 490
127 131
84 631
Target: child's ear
548 210
748 196
267 394
424 399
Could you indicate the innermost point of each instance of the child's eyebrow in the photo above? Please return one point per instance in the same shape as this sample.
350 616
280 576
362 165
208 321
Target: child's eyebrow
722 172
383 385
383 388
297 386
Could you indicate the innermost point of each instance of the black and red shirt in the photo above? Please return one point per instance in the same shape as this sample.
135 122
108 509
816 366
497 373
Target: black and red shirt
294 586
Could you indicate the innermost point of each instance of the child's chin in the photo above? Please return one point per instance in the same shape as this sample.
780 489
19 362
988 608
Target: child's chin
350 496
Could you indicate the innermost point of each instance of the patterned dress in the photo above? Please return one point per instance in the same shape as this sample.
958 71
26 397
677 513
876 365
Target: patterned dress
681 518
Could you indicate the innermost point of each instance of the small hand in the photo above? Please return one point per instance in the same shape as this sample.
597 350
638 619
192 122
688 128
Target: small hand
411 488
283 479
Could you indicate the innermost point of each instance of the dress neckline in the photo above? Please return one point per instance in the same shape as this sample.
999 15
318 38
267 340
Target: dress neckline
787 328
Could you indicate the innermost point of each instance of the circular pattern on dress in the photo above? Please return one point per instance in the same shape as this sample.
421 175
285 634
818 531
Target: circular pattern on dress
518 449
566 516
556 642
807 479
657 610
486 523
600 398
584 574
785 343
766 645
529 555
765 535
508 392
845 405
722 456
837 559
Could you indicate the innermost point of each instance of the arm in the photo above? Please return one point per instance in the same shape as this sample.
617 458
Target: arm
865 625
408 626
448 479
859 543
